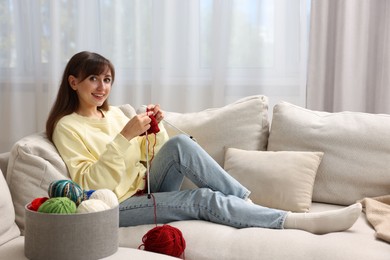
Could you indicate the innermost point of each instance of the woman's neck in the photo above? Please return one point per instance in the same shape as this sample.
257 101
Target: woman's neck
93 113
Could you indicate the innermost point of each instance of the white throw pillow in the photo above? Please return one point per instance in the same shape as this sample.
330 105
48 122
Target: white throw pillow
282 180
8 228
242 124
356 150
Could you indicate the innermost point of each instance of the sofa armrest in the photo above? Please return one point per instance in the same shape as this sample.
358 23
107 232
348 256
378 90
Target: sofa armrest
4 162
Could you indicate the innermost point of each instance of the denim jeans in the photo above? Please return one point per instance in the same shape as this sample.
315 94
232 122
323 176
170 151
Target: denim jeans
219 198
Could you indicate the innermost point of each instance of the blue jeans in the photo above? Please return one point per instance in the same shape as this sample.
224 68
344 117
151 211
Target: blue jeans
219 198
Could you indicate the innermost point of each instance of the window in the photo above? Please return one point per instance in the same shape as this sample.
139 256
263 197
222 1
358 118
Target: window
186 55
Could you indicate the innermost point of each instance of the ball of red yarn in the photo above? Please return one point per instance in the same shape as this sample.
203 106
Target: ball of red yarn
36 203
164 240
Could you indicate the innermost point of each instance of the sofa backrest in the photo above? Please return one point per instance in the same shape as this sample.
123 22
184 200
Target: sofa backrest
356 150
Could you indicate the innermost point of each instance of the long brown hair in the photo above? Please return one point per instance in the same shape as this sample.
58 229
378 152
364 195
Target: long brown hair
81 65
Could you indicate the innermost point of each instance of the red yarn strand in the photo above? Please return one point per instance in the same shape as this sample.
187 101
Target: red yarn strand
163 239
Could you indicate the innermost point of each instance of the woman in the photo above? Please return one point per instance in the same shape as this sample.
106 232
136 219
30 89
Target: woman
102 148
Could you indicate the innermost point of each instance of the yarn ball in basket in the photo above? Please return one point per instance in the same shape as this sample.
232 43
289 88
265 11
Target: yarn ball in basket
107 196
59 205
66 188
164 240
88 193
92 205
36 203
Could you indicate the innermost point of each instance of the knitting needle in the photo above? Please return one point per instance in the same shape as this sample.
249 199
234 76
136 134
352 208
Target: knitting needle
147 163
175 127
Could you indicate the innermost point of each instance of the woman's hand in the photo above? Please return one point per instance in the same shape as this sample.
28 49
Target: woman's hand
136 126
140 123
157 112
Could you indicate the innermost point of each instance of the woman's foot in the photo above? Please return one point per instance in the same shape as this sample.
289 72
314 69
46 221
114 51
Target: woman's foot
324 222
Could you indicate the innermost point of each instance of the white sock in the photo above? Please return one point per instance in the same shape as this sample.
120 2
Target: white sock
324 222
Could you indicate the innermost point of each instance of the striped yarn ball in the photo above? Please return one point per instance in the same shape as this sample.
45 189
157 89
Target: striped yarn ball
92 205
107 196
60 205
66 188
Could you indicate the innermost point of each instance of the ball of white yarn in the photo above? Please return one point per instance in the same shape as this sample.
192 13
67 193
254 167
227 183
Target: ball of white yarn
107 196
92 205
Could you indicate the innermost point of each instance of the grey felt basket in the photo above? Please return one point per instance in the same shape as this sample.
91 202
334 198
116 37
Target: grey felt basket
71 236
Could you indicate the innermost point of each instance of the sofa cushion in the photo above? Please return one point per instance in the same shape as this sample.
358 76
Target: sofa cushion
33 164
242 124
356 150
282 180
8 227
206 240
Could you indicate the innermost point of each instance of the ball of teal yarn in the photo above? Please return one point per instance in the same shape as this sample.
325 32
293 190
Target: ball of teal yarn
107 196
92 205
66 188
59 205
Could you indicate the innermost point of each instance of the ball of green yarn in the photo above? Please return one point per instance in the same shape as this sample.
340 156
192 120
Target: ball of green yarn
59 205
66 188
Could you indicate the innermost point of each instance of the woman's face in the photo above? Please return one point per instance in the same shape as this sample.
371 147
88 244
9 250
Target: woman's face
92 91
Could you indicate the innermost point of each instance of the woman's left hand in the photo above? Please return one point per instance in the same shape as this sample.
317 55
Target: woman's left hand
157 112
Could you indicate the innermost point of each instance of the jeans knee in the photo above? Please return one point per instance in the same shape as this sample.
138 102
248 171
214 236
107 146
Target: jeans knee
178 141
175 147
205 193
181 138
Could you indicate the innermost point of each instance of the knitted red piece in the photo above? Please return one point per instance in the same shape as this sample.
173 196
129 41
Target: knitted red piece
164 240
36 203
154 129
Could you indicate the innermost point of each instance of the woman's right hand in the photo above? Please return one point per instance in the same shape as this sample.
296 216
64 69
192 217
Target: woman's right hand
136 126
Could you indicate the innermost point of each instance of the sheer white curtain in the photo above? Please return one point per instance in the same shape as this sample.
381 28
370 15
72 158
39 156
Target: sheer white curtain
349 56
186 55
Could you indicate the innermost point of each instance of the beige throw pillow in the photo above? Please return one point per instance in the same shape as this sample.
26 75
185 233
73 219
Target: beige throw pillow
356 147
282 180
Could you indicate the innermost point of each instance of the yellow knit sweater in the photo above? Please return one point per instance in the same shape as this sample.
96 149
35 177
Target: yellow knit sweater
98 156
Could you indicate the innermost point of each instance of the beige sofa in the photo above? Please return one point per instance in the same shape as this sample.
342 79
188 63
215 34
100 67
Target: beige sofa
305 161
